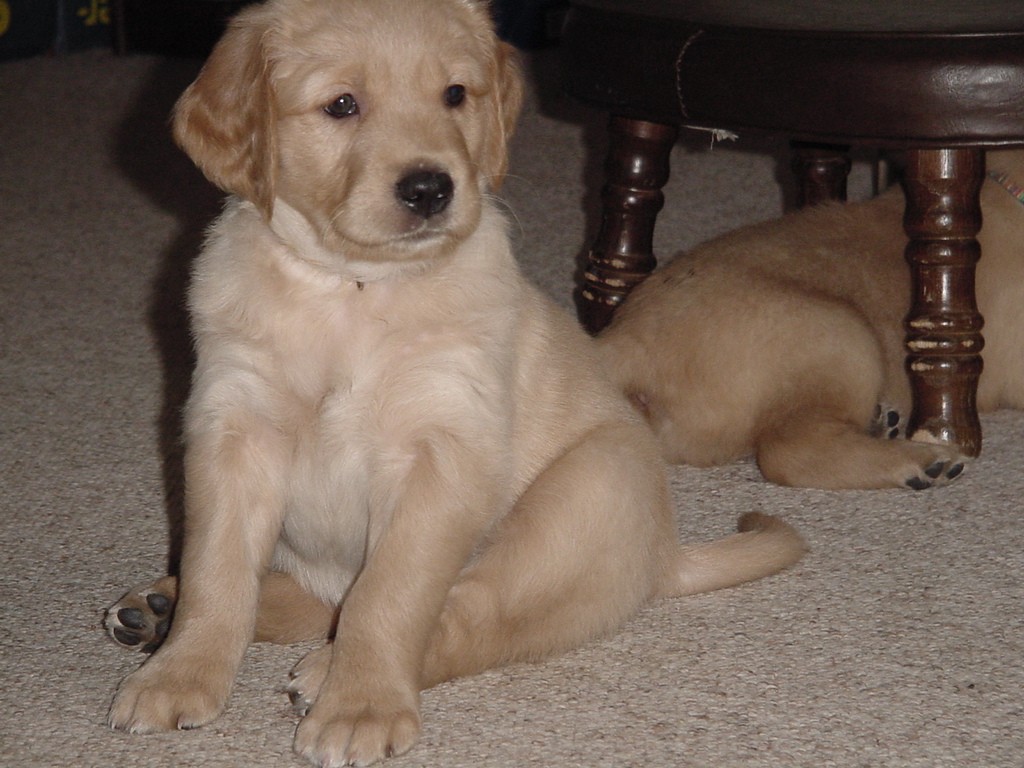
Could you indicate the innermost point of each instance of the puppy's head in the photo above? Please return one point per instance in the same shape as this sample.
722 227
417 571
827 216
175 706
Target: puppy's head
382 123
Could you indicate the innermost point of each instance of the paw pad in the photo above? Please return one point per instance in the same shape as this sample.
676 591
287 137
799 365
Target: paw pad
886 422
140 620
936 473
918 483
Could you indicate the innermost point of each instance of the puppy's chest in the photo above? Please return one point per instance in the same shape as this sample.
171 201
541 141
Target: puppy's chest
335 382
320 350
336 366
367 344
364 388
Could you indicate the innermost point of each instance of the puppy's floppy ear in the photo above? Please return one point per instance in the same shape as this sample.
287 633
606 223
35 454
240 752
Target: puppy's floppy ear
506 100
225 120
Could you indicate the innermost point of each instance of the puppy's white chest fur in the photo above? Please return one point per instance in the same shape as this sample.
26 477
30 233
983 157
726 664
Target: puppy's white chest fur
326 525
351 381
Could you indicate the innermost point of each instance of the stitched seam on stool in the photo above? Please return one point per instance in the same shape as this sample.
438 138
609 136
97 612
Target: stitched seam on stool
679 71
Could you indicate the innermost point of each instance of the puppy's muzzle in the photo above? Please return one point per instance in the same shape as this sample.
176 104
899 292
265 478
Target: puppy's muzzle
426 192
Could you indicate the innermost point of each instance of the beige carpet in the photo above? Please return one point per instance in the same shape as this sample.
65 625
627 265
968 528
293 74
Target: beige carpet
896 642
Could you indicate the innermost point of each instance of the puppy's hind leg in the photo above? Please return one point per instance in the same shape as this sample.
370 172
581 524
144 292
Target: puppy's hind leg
816 450
823 426
583 548
286 613
142 617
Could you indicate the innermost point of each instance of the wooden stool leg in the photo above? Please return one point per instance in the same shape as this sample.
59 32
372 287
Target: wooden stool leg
622 255
821 171
944 339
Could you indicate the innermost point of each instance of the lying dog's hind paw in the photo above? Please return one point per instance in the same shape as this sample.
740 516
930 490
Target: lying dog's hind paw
887 422
142 617
937 473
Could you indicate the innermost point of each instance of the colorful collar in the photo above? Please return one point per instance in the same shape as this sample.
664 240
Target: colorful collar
1004 180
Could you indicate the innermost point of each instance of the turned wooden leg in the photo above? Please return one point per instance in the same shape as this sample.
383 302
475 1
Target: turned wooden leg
622 255
944 339
821 171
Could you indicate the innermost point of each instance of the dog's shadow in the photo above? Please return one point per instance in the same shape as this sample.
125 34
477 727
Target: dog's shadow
147 154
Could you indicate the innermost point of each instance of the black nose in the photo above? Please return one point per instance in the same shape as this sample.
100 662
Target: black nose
425 193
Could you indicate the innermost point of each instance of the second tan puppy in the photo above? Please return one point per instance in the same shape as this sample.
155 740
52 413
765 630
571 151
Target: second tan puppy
783 339
392 436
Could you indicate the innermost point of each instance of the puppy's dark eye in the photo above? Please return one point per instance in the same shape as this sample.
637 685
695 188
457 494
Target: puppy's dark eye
343 106
454 95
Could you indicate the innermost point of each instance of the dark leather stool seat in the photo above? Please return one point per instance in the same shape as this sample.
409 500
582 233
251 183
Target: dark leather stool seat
940 80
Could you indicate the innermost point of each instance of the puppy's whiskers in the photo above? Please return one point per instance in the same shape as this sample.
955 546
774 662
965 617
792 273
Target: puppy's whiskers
332 222
503 204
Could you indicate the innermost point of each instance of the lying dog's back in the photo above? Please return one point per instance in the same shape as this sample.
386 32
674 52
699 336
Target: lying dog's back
1000 283
737 347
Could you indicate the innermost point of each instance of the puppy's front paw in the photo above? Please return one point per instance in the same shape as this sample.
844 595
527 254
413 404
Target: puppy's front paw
164 697
142 617
358 730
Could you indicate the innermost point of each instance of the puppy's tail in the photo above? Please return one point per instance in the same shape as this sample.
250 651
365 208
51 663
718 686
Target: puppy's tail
763 546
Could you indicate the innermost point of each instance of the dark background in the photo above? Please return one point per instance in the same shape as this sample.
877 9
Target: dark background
190 27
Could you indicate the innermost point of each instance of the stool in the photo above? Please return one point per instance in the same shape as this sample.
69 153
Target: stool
939 80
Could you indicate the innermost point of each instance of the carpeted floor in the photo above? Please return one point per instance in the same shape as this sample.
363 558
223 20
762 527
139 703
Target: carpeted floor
896 642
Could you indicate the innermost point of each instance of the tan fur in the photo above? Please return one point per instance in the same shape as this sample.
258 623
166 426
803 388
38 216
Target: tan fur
781 339
387 422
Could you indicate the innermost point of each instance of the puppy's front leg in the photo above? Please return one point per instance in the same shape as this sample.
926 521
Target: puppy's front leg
368 705
233 516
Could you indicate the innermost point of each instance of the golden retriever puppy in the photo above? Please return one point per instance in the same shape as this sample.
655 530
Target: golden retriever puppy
785 340
392 438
